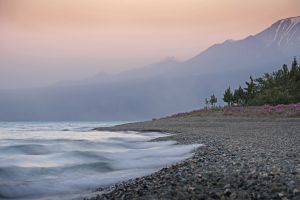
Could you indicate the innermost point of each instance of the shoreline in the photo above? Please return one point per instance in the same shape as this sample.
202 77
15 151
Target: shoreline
243 158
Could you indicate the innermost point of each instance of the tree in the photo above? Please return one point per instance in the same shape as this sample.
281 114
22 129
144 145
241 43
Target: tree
279 87
250 90
206 103
228 97
294 70
239 96
213 100
294 81
285 72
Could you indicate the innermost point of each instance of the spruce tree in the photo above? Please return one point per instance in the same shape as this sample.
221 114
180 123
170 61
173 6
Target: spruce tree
280 87
250 90
295 81
213 100
294 70
206 103
228 97
239 96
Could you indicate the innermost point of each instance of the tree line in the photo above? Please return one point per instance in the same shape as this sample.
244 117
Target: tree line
279 87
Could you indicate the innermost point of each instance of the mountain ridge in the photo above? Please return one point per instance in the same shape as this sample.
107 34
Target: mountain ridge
159 89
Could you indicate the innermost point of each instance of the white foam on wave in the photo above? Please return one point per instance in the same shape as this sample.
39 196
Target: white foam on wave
68 164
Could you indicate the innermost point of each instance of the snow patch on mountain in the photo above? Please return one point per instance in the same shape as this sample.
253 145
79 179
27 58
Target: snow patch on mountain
295 20
288 32
284 35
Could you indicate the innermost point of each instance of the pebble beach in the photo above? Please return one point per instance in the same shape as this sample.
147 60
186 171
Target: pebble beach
242 158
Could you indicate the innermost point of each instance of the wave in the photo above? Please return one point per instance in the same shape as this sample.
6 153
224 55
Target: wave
32 149
59 164
14 173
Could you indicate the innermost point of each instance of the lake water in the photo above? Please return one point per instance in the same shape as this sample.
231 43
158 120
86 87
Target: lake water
68 160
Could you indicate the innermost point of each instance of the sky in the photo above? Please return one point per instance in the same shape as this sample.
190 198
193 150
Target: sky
46 41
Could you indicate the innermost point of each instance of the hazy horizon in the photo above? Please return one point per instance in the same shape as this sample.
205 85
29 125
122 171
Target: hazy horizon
42 43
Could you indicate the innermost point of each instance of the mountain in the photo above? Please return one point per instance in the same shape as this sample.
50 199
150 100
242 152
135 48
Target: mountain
269 47
284 35
162 88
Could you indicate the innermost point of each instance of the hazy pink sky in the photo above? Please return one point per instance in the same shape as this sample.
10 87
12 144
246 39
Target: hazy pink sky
44 41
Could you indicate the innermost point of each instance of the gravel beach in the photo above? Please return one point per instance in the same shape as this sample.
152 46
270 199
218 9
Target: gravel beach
243 158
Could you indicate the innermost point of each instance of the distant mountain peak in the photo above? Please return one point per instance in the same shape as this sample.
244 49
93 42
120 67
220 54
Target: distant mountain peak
293 20
284 33
286 29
